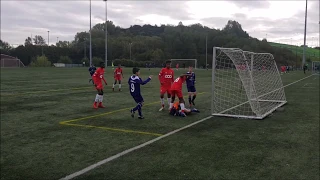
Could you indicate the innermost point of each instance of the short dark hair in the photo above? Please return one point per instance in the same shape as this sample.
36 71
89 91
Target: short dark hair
167 62
135 70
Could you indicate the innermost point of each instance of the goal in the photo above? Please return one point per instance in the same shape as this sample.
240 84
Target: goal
184 63
245 84
10 62
315 67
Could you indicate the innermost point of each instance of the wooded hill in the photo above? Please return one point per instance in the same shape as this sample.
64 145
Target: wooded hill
148 44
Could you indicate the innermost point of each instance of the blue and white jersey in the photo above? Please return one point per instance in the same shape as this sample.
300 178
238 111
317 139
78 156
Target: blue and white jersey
190 81
134 85
92 70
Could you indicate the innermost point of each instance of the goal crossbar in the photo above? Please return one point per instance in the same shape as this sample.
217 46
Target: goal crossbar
245 84
195 61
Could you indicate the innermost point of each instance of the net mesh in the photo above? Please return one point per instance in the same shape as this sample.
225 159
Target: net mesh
246 84
184 63
315 67
11 63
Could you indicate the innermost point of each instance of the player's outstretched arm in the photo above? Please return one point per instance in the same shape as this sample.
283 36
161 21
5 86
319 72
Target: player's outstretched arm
146 81
160 76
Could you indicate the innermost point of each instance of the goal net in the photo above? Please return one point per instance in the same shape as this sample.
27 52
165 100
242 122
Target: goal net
315 65
245 84
184 63
10 62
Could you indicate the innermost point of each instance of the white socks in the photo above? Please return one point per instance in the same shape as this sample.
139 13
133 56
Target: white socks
119 86
170 105
182 106
162 101
99 98
112 85
169 101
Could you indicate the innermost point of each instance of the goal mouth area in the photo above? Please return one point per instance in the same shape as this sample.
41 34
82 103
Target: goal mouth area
266 110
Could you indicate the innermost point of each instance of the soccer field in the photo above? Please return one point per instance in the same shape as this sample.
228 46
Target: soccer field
49 130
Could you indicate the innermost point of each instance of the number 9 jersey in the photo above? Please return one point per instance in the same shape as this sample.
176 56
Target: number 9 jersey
134 86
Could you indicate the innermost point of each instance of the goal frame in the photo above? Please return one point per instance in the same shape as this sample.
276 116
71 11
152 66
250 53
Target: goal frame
10 59
259 117
313 66
195 61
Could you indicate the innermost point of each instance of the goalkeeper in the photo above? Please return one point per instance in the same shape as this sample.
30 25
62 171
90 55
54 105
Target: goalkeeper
176 110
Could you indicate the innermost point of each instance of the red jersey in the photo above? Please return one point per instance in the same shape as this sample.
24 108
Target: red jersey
98 75
118 72
177 84
166 76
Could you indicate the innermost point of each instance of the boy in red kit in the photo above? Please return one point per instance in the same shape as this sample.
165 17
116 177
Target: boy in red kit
97 79
176 90
166 77
118 75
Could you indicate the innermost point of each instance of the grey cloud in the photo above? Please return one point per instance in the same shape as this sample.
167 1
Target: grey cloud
252 4
285 28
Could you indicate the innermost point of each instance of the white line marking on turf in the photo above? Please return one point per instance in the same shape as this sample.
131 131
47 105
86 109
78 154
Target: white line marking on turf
91 167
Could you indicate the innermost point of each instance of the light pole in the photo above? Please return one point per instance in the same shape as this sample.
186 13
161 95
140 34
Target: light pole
57 39
90 38
106 58
130 44
305 34
48 38
206 52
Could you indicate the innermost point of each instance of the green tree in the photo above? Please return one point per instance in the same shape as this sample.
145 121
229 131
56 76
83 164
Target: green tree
65 60
38 40
96 61
40 61
86 60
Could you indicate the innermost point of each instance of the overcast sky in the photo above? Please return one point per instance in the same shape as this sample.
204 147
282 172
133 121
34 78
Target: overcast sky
279 21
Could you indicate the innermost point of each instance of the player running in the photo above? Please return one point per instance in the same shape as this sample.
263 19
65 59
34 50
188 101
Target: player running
134 85
176 110
118 75
176 90
191 80
166 77
97 78
177 66
92 69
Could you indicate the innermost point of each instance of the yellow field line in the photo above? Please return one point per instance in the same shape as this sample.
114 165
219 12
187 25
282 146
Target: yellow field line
52 90
111 112
112 129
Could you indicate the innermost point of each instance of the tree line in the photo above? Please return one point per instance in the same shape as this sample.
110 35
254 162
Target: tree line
147 44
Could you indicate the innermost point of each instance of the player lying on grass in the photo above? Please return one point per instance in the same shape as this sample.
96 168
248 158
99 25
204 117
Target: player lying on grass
176 110
97 78
134 86
118 75
176 90
92 69
191 80
166 77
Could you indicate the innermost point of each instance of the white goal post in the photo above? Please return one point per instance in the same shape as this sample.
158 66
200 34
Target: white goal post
184 63
315 67
245 84
10 62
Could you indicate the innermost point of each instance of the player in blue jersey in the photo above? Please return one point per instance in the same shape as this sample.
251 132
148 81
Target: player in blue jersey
134 85
92 69
190 82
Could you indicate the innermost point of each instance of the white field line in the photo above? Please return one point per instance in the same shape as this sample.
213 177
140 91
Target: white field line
93 166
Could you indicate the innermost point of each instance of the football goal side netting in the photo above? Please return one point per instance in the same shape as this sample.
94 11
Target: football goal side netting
10 62
315 67
245 84
184 63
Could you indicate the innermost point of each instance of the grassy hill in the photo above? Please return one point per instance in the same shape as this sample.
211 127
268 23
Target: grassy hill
311 53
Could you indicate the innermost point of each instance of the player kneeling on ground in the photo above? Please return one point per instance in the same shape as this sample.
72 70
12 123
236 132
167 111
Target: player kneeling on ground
176 90
134 85
97 78
176 110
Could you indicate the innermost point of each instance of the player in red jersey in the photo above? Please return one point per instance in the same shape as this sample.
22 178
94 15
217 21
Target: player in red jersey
177 66
118 75
176 90
97 78
166 77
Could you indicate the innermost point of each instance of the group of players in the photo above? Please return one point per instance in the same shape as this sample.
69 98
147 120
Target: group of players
170 86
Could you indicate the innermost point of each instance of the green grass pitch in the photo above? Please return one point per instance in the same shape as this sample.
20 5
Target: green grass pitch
49 130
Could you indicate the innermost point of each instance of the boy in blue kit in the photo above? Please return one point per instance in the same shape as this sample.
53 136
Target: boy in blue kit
134 85
190 82
92 69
